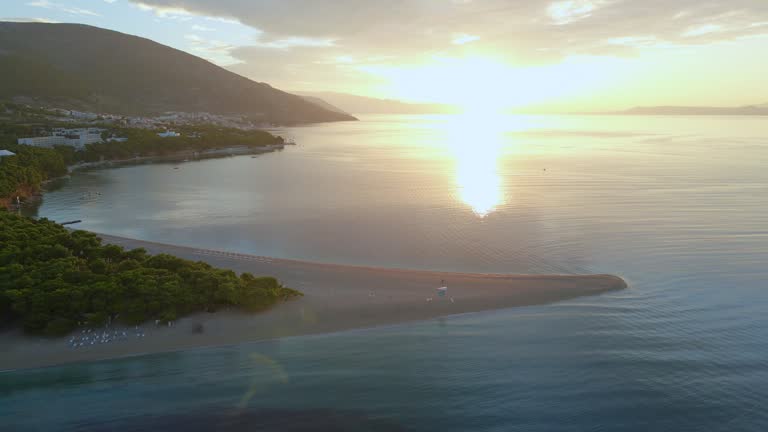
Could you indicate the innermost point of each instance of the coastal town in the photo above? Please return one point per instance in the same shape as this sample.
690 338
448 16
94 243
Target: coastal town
41 143
79 137
50 127
94 127
171 118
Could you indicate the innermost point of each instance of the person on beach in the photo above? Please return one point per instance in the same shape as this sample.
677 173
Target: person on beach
443 289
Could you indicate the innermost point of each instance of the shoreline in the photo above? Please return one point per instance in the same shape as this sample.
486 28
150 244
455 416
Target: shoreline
336 298
180 156
33 195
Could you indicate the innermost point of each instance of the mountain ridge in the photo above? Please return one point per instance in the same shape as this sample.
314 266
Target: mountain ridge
321 102
759 109
357 104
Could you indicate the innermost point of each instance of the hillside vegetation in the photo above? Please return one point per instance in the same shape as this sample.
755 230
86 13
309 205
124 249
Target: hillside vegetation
22 174
52 279
92 69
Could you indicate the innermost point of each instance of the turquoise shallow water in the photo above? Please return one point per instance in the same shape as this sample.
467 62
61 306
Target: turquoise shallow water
677 206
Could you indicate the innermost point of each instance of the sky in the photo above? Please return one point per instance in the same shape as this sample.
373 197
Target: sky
548 55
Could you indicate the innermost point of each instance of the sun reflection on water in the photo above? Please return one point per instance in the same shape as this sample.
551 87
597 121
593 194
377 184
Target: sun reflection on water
476 144
479 183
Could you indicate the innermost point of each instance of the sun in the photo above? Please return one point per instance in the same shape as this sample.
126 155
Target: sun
486 83
469 83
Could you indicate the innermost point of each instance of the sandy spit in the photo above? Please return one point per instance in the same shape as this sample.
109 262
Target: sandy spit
336 297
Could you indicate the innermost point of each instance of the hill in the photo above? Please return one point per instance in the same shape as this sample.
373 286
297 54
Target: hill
320 102
93 69
366 105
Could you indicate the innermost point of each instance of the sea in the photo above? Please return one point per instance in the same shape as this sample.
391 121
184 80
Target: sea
676 205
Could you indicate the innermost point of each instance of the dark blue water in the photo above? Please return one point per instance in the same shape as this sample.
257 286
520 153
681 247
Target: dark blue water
676 206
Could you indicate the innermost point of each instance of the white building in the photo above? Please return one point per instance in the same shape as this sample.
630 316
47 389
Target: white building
44 141
5 153
77 138
168 133
80 137
83 115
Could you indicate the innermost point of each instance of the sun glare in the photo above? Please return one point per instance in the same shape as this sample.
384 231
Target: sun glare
487 84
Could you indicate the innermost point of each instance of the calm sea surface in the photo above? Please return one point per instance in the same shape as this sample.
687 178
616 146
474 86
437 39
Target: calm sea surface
678 206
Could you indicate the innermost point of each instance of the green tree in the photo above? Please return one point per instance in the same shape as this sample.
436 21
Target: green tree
51 279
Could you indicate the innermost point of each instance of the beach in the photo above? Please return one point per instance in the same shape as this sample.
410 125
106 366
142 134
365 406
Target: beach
336 298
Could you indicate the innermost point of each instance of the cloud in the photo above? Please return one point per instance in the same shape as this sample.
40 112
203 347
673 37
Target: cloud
463 38
525 26
62 8
18 19
565 12
310 36
222 20
344 60
302 68
296 41
202 28
633 40
213 50
163 11
702 30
